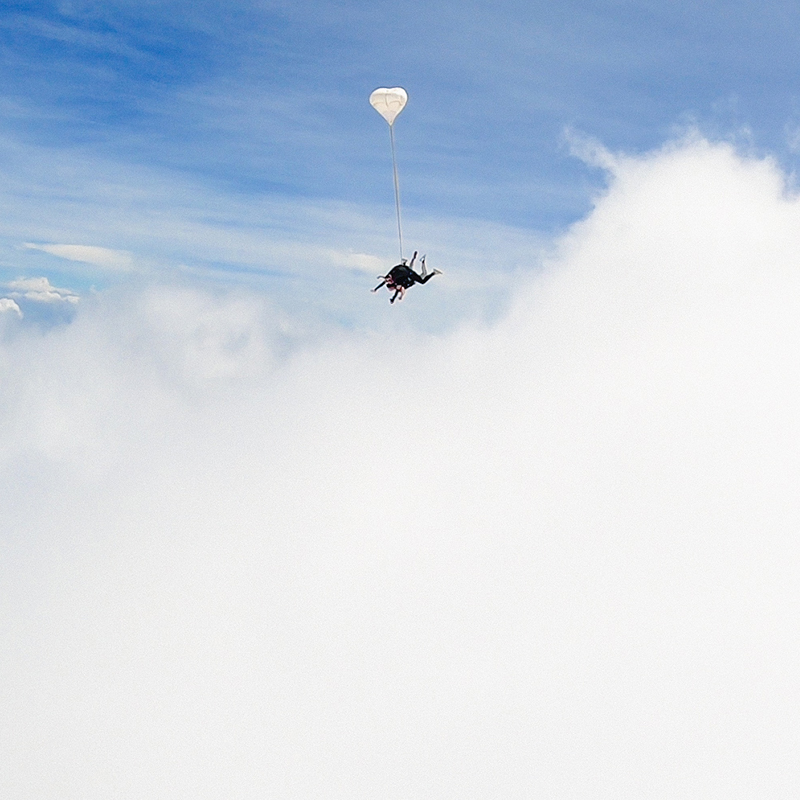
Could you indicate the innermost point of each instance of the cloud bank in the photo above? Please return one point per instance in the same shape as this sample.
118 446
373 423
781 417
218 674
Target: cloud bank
552 557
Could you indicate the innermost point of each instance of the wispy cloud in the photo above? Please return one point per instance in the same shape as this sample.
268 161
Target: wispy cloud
589 150
159 222
69 34
87 254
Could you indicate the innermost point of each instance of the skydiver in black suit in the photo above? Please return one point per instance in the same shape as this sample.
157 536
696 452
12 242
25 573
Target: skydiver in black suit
403 277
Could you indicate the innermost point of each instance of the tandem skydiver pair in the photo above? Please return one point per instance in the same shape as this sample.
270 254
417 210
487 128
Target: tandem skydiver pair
403 276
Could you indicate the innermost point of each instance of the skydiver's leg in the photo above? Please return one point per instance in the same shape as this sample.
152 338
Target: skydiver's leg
426 278
394 296
411 263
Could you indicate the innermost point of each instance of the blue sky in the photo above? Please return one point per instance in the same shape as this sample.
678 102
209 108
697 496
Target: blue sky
252 118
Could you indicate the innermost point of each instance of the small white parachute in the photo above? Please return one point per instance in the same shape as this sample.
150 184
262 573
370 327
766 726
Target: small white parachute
389 102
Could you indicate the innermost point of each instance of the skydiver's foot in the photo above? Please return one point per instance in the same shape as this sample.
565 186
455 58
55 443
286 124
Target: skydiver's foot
438 272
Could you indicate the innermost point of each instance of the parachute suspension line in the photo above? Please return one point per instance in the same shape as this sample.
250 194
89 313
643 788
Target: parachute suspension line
396 191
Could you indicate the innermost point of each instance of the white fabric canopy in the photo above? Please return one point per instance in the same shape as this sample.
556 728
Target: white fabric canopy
389 102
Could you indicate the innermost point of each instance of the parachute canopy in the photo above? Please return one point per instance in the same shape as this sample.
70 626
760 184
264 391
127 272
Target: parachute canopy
389 102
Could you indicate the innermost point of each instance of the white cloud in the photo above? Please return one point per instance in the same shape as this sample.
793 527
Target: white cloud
116 260
8 305
590 150
555 557
40 290
364 262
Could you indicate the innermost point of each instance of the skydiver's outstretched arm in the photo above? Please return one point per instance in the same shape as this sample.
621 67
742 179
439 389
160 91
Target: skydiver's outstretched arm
382 283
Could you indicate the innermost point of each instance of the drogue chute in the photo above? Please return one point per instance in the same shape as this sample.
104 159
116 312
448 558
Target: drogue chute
389 103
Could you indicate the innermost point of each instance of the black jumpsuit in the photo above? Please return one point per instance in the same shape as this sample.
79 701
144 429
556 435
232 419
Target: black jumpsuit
403 275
